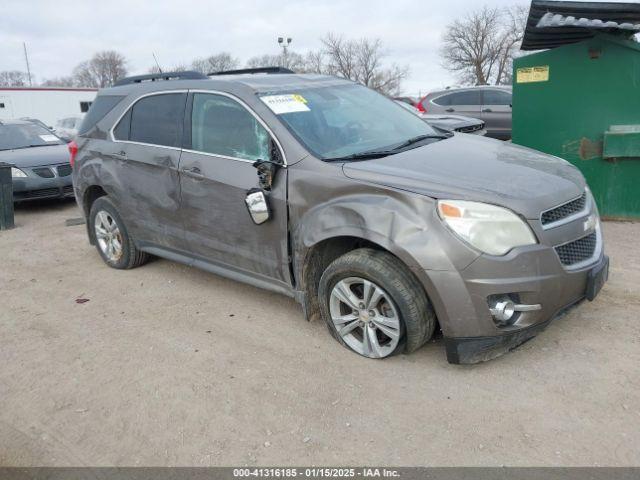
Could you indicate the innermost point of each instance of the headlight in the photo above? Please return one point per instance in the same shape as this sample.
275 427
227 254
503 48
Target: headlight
17 173
490 229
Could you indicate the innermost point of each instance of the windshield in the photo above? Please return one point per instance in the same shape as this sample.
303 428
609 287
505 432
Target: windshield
339 121
15 136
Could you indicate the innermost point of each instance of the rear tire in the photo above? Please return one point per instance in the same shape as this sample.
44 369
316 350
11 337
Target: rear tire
374 305
111 238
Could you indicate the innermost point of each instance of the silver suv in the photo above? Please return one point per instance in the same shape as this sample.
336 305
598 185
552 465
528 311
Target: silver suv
321 189
492 105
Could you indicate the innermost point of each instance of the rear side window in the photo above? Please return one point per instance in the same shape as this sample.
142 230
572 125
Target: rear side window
221 126
156 120
98 109
471 97
497 97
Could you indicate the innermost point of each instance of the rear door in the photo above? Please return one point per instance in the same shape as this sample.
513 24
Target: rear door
461 102
496 112
143 168
223 138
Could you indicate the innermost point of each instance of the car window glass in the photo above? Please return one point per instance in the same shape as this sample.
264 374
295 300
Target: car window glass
121 132
471 97
25 135
497 97
222 126
98 109
344 119
443 101
158 119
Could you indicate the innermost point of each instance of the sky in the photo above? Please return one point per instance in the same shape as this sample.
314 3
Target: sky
61 34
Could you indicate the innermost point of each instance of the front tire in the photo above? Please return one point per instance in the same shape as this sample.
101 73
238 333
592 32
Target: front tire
112 240
374 305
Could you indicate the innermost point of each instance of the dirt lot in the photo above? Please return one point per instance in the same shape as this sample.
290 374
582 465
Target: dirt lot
168 365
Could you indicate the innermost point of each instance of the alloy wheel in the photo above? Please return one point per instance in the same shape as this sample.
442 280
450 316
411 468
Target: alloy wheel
365 317
108 236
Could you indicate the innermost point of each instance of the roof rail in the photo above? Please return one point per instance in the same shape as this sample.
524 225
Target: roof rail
154 77
253 70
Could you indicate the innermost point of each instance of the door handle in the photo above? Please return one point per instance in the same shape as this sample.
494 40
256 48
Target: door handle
450 110
121 154
193 172
487 110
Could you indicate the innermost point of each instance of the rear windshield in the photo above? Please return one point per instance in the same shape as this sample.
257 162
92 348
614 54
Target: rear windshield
344 120
16 136
99 108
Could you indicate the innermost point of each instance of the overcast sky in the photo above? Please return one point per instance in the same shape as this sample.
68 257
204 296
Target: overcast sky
61 34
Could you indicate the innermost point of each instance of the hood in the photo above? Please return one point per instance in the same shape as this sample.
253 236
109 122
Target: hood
36 156
469 167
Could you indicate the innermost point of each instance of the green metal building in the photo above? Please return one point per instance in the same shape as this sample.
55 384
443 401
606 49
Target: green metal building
580 98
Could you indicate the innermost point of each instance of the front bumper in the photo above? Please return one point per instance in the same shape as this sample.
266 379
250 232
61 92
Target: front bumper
35 187
555 293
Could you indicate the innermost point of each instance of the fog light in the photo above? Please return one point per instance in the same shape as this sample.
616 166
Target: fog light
503 311
506 309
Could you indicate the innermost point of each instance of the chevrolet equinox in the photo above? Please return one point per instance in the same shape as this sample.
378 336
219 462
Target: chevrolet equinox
324 190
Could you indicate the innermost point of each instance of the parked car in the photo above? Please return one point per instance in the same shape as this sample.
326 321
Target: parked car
37 122
452 123
67 128
40 161
490 104
324 190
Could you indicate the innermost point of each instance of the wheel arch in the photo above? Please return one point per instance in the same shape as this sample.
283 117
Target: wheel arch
311 261
90 195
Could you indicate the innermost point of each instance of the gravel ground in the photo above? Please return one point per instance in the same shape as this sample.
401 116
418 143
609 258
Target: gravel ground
167 365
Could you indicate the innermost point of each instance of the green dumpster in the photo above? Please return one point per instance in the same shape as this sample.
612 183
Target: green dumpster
581 101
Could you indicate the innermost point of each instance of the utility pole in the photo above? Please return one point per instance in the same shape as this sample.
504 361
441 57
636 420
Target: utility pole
26 59
156 60
284 43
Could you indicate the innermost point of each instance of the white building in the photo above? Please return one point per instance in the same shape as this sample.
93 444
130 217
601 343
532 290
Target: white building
45 104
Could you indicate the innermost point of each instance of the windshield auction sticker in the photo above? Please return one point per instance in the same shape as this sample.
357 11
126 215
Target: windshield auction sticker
280 104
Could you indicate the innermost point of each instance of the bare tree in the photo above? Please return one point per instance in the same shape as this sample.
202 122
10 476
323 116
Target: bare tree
480 48
315 62
362 61
215 63
102 70
292 60
180 67
59 82
514 24
14 78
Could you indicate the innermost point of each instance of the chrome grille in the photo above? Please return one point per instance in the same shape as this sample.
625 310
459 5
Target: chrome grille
44 172
578 250
64 170
471 128
564 211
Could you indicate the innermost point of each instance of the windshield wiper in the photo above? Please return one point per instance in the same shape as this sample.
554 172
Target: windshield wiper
362 156
419 139
385 153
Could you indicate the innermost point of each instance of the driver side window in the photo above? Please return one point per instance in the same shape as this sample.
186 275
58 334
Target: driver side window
221 126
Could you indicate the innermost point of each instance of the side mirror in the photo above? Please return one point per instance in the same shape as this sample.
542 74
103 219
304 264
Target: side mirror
258 206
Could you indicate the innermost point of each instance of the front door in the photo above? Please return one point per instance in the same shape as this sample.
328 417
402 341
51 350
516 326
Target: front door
223 139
